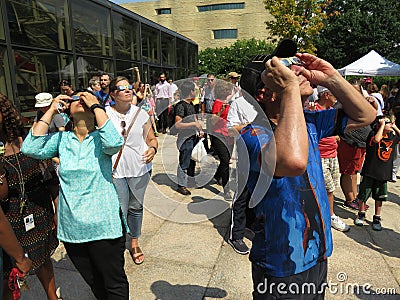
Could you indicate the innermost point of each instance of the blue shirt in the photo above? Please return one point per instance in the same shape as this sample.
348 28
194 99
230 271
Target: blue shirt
88 206
292 227
106 100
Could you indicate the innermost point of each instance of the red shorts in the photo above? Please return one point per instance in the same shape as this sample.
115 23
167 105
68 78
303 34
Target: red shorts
350 158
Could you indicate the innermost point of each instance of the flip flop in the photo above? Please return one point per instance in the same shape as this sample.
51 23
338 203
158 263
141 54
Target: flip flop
136 250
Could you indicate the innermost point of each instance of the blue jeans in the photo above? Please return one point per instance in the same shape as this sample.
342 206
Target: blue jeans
186 164
131 195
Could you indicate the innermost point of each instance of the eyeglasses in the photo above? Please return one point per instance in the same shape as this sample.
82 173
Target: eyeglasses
123 125
120 88
289 61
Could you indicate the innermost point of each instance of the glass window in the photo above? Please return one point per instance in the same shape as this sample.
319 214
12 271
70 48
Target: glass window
91 26
163 11
154 74
167 49
225 34
193 59
223 6
39 23
5 74
150 44
125 68
2 35
38 71
87 67
126 37
181 49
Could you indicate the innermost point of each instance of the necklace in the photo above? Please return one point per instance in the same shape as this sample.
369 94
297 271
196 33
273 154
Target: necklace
20 178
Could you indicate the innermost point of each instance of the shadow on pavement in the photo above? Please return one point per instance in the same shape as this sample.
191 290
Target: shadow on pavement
386 241
217 211
166 291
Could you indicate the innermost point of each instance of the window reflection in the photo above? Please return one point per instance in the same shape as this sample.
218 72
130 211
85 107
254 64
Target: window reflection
150 44
167 49
91 26
181 48
40 23
126 37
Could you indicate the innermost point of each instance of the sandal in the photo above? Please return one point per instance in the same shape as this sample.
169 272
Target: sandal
136 250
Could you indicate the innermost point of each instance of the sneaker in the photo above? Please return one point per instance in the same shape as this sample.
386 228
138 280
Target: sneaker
239 246
338 224
376 224
354 204
359 221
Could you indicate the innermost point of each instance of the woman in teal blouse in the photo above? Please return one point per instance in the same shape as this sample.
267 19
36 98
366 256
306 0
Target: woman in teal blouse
89 218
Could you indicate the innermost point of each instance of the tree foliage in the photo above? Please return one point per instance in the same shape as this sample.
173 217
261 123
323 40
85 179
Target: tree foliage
359 27
299 20
221 61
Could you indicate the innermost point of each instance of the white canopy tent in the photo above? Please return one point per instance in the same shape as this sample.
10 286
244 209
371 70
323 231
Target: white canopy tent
371 64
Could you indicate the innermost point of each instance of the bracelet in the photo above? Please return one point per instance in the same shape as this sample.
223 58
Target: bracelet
1 177
155 149
44 122
96 105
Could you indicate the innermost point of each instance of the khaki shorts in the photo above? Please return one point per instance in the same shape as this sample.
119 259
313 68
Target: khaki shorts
330 167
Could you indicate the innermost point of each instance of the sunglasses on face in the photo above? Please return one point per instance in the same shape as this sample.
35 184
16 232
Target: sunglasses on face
123 87
64 83
289 61
211 79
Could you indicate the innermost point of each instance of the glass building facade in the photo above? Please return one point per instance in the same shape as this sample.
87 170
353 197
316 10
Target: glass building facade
45 41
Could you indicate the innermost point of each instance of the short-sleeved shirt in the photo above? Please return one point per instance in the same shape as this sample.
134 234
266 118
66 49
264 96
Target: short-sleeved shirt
220 127
240 112
379 157
57 121
187 112
209 99
292 228
131 160
88 206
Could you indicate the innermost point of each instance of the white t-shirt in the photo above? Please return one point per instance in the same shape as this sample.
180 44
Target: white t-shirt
130 163
240 112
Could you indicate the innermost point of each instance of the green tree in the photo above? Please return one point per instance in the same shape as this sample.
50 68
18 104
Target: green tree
299 20
221 61
359 27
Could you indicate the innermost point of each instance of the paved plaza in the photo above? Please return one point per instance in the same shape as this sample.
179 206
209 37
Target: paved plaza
187 256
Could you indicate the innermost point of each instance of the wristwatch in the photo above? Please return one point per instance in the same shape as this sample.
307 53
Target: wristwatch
96 105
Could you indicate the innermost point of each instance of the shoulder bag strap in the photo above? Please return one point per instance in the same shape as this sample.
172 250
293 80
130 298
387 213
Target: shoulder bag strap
127 132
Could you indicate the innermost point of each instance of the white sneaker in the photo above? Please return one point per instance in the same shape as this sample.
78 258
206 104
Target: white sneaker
339 224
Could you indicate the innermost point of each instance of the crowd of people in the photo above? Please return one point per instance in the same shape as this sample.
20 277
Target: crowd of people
80 175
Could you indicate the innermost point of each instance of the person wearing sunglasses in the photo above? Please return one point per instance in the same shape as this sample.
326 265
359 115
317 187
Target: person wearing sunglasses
292 215
90 223
132 172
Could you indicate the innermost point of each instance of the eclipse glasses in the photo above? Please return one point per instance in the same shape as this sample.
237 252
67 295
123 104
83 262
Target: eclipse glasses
289 61
121 88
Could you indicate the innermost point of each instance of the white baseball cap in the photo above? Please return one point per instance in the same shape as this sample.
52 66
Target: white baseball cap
43 99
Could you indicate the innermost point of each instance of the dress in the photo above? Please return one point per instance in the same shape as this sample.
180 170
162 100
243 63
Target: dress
39 242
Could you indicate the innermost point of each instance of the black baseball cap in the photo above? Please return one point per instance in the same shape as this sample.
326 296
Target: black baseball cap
251 74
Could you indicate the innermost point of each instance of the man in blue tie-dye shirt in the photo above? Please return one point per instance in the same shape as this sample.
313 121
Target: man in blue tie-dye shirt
292 228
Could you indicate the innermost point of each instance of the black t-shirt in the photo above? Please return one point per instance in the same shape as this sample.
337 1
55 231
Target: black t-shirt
378 162
187 112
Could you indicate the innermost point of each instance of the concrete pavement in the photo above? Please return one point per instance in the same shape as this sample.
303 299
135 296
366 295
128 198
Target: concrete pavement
187 256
